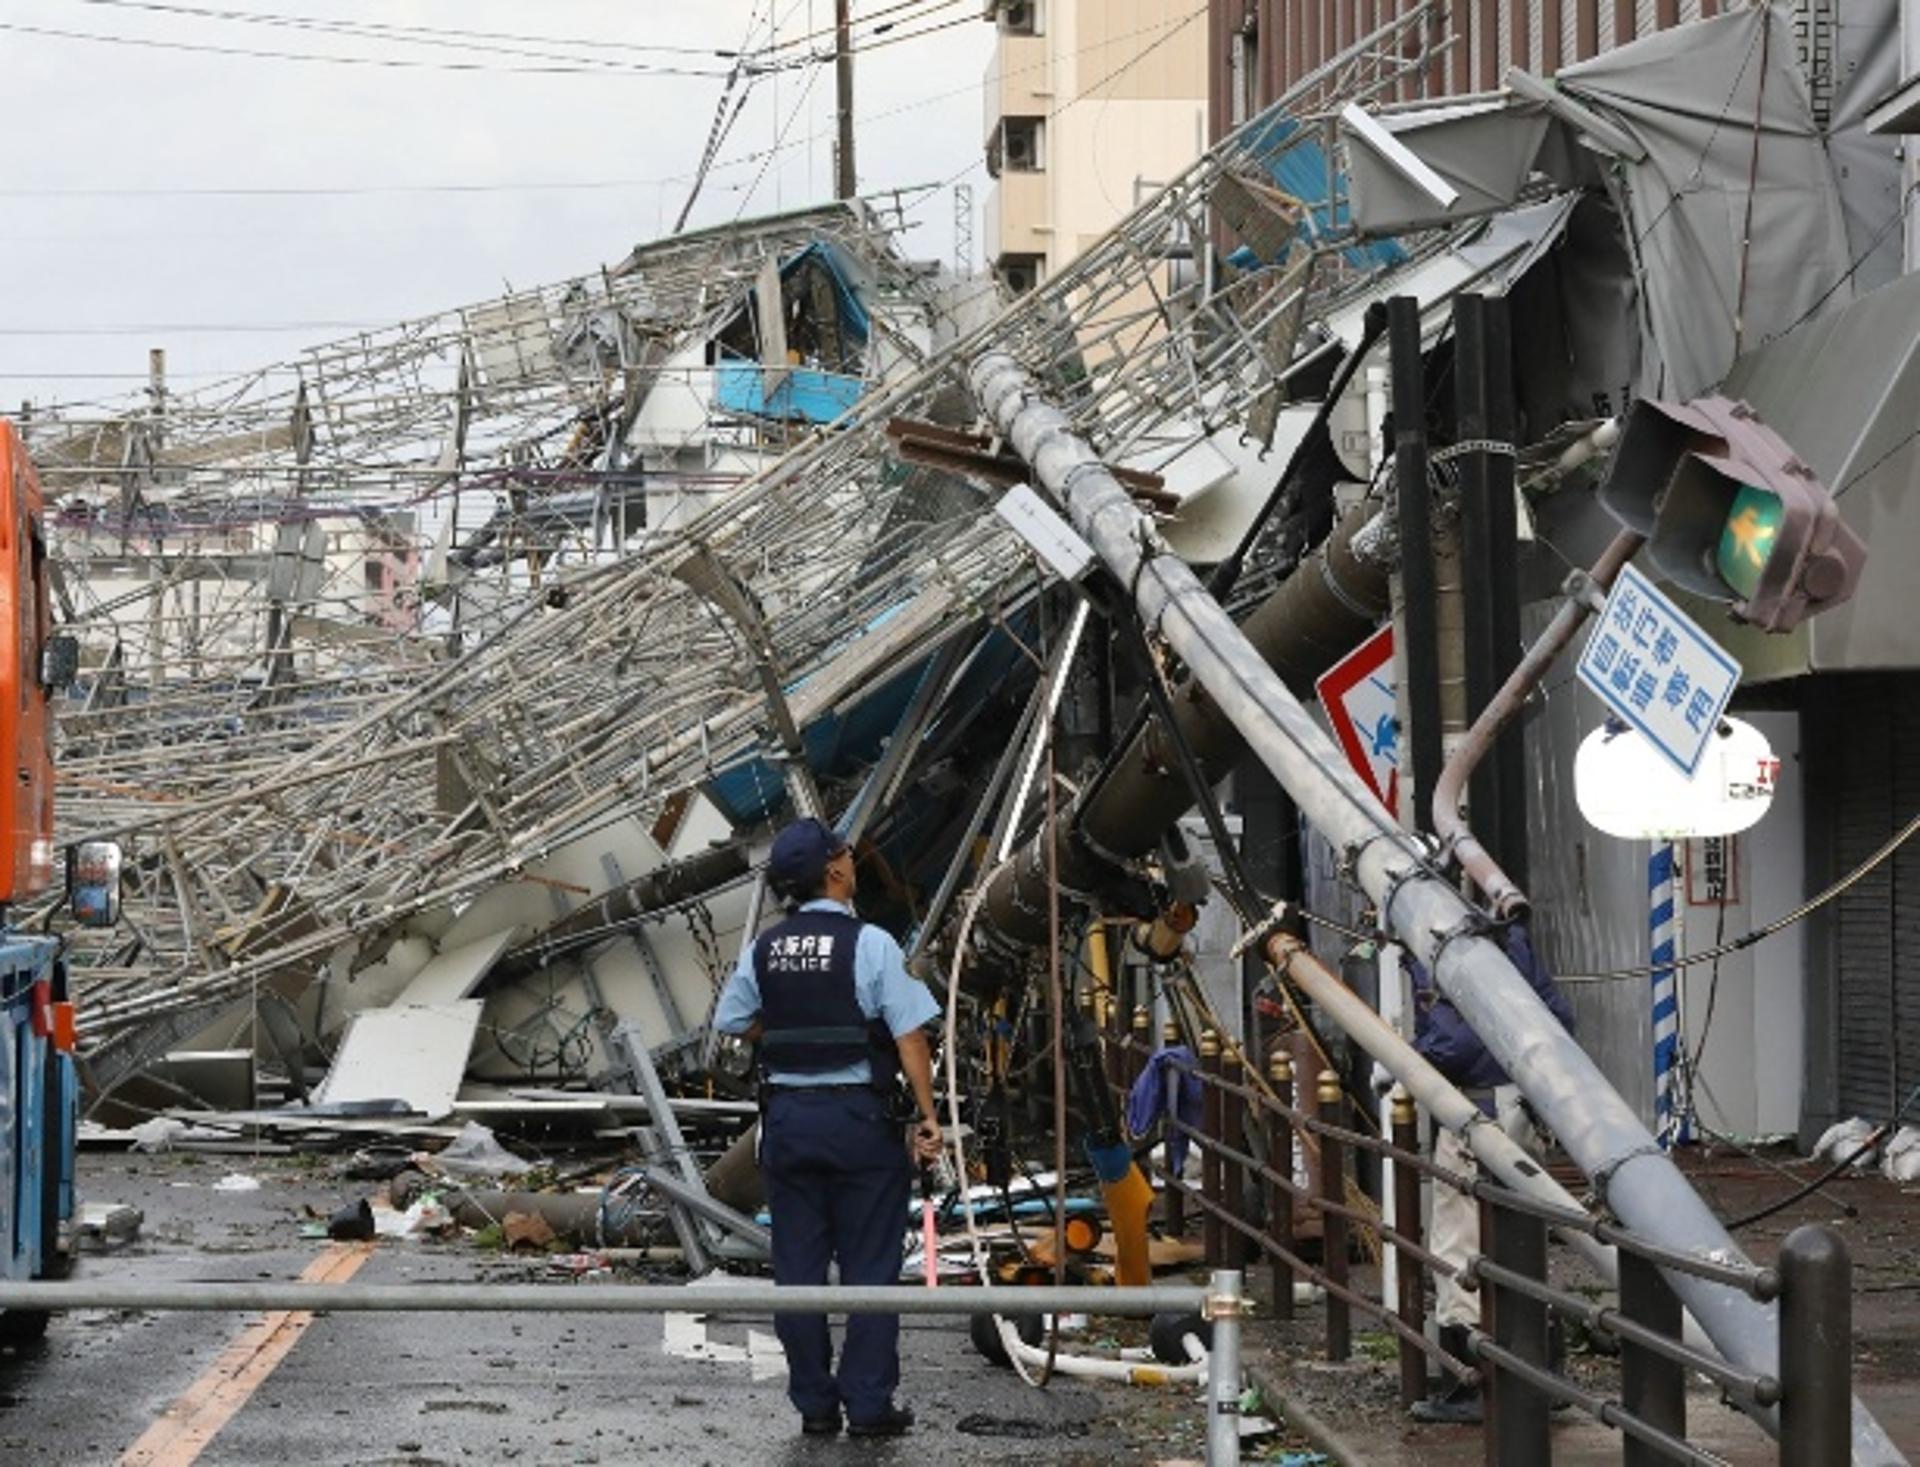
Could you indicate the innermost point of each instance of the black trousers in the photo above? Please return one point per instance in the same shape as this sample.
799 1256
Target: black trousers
838 1185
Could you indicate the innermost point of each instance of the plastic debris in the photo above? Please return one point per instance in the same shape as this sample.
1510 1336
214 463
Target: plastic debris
1902 1160
237 1182
352 1223
1842 1139
475 1152
158 1134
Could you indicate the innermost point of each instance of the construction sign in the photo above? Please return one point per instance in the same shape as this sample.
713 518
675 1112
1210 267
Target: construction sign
1358 694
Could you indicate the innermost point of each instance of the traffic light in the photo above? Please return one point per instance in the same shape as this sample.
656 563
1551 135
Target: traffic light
1730 512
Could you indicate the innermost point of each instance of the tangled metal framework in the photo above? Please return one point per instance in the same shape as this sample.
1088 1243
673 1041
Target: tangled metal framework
269 822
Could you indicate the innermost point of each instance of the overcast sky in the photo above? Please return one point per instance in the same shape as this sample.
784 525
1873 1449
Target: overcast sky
140 176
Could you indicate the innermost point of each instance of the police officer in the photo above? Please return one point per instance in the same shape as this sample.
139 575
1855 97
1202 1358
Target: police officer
837 1018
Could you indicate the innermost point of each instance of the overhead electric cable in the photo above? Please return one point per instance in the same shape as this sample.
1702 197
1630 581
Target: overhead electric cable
423 34
580 67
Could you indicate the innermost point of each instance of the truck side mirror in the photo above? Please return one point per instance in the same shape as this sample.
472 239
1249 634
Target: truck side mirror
93 882
59 663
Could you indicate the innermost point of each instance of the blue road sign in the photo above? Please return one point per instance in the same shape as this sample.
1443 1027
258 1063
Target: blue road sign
1650 663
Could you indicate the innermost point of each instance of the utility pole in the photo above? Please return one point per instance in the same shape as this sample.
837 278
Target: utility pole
844 185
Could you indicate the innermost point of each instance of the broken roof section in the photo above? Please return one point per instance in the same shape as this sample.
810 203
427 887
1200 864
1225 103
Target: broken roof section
1731 205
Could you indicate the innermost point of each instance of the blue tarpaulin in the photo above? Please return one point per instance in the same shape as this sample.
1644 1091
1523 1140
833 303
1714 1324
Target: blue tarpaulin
740 383
1297 163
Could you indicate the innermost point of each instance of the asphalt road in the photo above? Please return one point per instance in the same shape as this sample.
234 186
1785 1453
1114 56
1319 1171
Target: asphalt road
478 1388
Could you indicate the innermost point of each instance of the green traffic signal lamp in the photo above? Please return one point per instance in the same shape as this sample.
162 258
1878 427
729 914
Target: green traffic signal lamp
1730 512
1747 540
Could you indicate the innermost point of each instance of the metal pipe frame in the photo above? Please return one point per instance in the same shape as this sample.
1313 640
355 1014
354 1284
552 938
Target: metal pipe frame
1600 1131
735 1298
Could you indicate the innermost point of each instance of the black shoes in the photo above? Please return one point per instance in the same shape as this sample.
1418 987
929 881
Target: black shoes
821 1425
894 1423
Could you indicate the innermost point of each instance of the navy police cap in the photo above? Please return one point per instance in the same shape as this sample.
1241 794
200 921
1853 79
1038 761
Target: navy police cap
800 855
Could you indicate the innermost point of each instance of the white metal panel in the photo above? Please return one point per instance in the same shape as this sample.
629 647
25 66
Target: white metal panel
454 973
416 1054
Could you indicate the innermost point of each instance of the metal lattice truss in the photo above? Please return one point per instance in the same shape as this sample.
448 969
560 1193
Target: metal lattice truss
396 770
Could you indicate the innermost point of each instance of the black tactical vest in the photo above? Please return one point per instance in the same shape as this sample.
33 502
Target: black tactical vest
810 1017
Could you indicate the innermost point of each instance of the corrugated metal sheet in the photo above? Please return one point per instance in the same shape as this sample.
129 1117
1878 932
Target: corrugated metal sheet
1645 19
1536 29
1570 32
1689 11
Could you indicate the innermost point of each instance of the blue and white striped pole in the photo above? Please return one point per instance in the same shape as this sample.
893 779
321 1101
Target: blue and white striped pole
1666 995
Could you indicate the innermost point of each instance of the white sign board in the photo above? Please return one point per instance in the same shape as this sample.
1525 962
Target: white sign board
1358 695
1624 787
1047 534
1658 671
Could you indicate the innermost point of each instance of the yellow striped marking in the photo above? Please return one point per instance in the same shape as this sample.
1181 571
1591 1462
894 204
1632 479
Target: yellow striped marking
190 1423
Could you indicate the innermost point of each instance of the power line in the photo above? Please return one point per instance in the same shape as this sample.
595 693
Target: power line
741 161
424 34
576 67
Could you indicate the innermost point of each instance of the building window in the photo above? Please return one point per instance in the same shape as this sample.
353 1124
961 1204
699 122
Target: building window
1020 18
1025 144
1019 273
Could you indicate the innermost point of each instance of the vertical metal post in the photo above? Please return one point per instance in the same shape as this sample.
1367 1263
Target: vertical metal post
1233 1176
1652 1387
1223 1370
1816 1348
1479 549
1333 1227
1279 1199
1173 1195
1419 658
1411 1303
1517 1413
1212 1230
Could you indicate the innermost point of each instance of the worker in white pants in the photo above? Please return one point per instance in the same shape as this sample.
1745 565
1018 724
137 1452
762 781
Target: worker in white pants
1443 1036
1455 1225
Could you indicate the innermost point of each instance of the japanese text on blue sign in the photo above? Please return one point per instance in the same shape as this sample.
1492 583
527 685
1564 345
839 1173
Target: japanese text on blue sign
1656 669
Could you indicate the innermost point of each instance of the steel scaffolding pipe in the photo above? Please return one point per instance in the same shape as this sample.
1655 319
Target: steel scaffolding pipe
1600 1131
735 1298
1316 616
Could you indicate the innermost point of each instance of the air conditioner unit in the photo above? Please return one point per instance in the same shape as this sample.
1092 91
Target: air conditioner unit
1019 277
1019 18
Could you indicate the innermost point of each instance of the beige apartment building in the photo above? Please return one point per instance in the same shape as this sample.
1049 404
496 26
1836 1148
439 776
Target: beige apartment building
1090 104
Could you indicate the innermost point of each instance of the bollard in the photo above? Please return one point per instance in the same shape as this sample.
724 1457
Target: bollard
1175 1191
1816 1348
1652 1387
1233 1177
1333 1227
1517 1413
1212 1172
1411 1303
1226 1306
1279 1199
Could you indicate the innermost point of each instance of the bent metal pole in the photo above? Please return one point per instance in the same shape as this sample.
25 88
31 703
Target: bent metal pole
1599 1130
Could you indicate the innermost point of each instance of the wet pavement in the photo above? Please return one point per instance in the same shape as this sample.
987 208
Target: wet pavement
475 1388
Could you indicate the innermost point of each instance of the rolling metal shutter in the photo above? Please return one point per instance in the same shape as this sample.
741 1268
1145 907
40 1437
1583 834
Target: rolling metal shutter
1876 922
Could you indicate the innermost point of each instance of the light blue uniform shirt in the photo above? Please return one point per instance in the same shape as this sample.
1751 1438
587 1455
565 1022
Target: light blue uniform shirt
881 986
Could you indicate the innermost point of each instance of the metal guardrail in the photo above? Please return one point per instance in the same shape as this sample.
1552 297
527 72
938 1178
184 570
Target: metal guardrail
1811 1390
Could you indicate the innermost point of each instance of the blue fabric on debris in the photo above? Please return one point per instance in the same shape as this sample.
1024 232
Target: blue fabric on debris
1442 1034
1167 1087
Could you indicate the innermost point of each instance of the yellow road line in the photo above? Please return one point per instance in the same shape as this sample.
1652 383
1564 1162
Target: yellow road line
183 1431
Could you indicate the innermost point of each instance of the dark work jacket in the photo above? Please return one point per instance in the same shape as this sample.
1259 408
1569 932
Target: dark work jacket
1442 1034
810 1014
